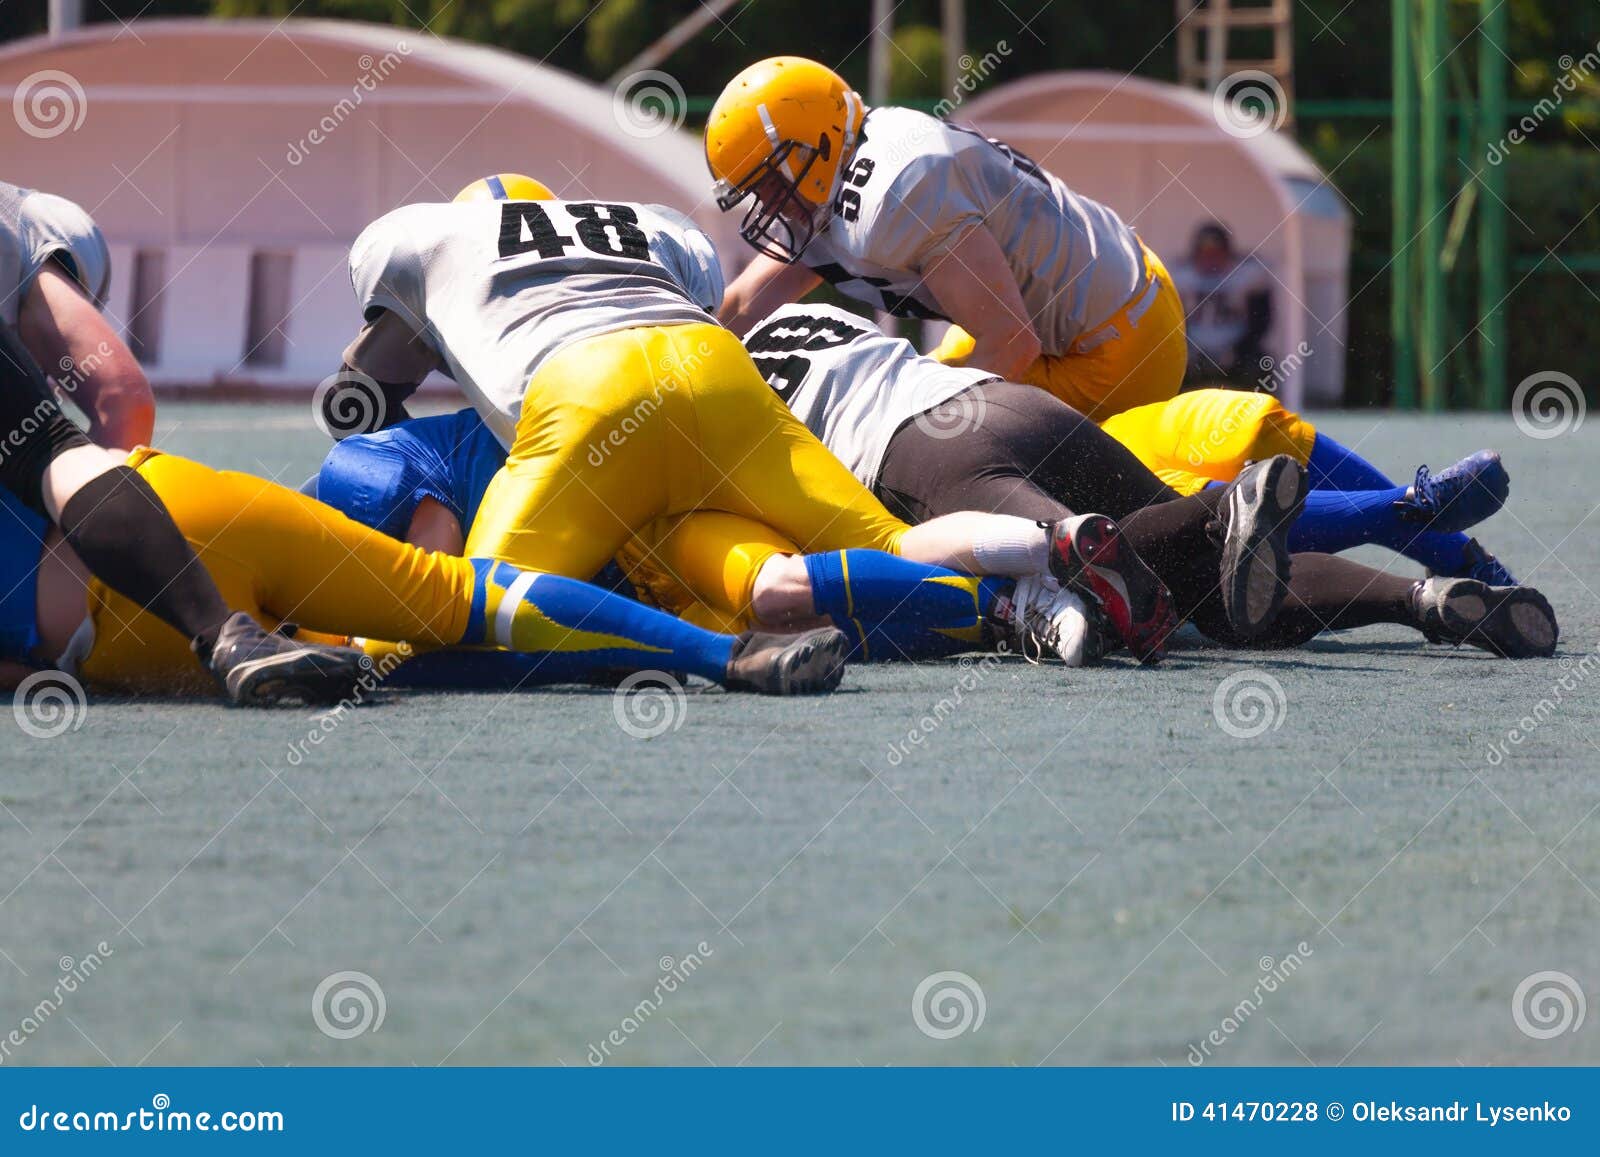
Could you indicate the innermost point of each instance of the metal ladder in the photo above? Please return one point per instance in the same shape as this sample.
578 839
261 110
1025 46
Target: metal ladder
1205 41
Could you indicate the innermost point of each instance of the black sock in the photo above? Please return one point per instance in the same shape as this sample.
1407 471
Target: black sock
123 532
1173 539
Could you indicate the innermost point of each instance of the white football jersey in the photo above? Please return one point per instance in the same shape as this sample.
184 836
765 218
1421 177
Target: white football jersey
497 287
850 384
917 184
35 227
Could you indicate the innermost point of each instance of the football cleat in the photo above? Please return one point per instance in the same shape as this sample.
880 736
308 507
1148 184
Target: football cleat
1512 622
1258 509
1088 555
257 669
1478 563
809 663
1458 496
1039 617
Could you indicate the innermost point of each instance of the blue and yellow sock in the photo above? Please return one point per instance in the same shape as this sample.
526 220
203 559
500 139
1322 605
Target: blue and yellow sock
591 630
891 607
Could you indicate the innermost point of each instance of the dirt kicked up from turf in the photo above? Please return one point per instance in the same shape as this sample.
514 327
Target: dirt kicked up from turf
1372 851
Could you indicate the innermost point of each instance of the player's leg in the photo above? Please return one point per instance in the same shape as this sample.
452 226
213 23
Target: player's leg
728 567
1328 593
1136 358
124 534
601 450
309 563
1036 458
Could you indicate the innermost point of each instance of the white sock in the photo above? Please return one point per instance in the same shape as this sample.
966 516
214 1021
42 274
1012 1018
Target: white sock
1015 546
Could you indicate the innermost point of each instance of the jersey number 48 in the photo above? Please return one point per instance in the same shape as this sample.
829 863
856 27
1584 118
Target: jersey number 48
606 230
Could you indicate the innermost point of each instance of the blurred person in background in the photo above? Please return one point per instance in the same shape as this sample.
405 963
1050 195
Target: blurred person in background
1227 303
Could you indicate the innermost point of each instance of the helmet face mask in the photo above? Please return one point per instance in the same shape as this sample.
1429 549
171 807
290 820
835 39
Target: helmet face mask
781 133
781 221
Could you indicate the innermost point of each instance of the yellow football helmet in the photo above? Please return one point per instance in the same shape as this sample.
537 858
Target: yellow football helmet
782 132
506 187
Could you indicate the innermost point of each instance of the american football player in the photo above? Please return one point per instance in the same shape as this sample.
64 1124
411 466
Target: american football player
55 270
927 443
924 218
581 331
278 555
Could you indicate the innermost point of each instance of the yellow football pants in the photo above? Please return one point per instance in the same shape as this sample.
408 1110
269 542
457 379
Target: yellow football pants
1136 358
702 566
1208 435
626 428
282 556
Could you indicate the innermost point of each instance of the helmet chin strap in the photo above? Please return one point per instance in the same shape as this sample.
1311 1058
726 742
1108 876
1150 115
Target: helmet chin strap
854 114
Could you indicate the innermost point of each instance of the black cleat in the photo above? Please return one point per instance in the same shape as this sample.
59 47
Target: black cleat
810 663
1258 510
257 669
1512 622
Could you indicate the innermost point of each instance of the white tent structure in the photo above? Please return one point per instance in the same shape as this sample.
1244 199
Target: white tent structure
1160 155
232 163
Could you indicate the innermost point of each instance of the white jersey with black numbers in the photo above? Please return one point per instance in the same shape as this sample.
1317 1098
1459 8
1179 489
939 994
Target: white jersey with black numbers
916 185
851 385
497 287
34 227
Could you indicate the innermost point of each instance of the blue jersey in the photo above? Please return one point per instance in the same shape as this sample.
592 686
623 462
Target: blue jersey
378 479
21 543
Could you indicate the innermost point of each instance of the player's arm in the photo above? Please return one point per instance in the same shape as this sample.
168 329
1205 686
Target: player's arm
434 526
975 288
762 287
67 335
394 356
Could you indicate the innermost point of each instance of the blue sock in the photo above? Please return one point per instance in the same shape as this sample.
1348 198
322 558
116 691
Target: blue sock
1336 467
1441 553
872 587
591 630
1336 520
884 641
